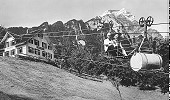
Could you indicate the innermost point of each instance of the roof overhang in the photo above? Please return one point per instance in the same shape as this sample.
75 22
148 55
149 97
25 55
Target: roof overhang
20 44
5 37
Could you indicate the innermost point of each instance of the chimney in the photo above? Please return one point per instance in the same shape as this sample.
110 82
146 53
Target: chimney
27 31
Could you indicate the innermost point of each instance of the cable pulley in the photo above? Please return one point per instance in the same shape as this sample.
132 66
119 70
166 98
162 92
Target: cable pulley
149 21
142 21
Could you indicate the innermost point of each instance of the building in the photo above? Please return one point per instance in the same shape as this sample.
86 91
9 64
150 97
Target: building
36 45
1 51
167 38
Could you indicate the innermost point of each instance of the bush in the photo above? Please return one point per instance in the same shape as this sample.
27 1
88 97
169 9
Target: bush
84 61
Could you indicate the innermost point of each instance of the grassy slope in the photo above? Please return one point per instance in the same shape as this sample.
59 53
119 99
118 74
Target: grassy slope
45 82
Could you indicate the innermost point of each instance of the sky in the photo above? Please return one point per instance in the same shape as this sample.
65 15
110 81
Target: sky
29 13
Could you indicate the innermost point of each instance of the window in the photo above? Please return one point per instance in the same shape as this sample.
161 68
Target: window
46 54
36 42
13 52
30 50
49 47
19 50
44 45
43 53
7 53
40 35
31 41
13 42
7 44
37 51
49 55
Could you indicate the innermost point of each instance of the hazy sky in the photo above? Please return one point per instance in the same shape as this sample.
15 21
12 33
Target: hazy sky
29 13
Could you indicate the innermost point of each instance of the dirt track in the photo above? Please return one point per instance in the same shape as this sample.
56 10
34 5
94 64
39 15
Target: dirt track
41 81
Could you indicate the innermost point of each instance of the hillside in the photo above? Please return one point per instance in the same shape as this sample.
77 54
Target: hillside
27 80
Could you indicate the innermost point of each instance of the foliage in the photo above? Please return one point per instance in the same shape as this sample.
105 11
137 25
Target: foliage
163 51
89 60
152 79
18 30
2 32
85 61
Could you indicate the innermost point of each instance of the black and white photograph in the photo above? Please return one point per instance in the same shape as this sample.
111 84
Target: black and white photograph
84 49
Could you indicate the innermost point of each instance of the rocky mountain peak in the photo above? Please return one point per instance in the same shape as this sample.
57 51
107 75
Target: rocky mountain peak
117 13
109 12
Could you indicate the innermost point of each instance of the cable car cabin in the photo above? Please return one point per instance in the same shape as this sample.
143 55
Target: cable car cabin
141 61
145 58
35 45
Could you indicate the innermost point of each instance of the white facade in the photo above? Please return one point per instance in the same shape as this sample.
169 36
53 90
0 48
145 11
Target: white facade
9 47
50 53
37 46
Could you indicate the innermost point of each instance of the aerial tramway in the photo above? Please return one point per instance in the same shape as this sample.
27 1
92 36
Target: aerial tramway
145 59
138 58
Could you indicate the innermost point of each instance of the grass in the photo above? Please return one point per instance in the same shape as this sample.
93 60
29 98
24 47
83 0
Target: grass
28 80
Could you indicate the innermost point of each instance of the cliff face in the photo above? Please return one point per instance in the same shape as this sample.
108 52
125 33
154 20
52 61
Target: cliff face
121 20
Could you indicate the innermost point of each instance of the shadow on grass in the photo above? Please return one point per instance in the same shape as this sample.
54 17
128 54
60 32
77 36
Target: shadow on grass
4 96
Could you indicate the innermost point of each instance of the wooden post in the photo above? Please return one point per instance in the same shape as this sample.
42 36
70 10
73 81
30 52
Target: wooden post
145 36
102 46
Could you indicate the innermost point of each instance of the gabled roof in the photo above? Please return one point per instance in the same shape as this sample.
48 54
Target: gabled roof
8 34
22 39
18 38
26 37
15 35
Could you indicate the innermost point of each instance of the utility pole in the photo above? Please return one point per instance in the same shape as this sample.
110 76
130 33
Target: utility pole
145 23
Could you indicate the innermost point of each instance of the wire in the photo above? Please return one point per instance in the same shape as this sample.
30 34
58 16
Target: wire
100 29
80 34
91 33
160 23
96 34
109 50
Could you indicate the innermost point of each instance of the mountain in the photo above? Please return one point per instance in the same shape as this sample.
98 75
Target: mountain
122 21
119 20
57 27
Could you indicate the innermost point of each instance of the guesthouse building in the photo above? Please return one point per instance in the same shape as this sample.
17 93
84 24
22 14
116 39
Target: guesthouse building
36 45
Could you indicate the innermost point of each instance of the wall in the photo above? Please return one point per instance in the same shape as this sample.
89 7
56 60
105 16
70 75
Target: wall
24 50
40 45
25 47
10 47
